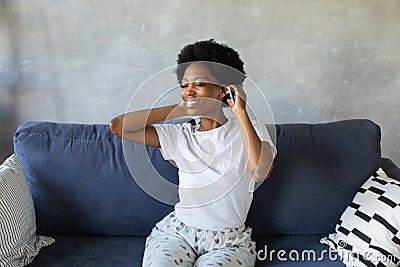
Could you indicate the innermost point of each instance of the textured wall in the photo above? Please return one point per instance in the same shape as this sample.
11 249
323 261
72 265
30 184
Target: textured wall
316 61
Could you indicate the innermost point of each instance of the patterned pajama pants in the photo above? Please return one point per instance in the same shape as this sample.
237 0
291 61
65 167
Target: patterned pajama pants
172 243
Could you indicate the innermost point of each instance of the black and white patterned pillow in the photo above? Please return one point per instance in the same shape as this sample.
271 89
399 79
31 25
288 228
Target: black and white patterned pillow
368 232
19 243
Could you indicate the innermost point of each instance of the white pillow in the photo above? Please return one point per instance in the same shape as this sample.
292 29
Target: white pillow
18 241
368 232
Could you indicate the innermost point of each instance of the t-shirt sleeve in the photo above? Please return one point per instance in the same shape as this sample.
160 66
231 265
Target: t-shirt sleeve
263 134
168 136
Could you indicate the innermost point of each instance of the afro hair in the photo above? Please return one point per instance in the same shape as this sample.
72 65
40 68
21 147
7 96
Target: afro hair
229 68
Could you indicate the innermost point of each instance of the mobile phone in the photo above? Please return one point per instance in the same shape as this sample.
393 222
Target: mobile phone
231 93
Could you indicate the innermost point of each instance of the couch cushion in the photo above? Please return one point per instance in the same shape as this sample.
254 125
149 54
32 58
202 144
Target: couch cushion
92 251
318 170
99 251
19 243
369 228
80 182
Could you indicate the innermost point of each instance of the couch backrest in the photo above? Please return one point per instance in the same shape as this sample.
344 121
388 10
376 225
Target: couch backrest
318 170
81 184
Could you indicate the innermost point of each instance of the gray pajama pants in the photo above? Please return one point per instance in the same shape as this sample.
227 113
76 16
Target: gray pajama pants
172 243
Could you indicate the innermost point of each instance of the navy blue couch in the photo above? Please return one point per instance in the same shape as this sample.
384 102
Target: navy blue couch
86 199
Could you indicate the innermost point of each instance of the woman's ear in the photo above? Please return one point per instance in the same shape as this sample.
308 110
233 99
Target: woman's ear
224 90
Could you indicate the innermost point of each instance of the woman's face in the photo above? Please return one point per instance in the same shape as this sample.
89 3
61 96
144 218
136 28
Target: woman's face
200 90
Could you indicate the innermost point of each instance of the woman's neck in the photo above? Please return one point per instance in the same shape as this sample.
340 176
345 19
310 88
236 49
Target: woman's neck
207 123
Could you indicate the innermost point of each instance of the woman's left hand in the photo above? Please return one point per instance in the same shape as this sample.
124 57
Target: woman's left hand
240 99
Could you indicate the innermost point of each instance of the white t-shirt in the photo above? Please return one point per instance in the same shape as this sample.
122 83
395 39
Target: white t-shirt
215 186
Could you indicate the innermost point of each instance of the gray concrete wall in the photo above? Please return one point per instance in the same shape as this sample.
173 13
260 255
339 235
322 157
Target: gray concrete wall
315 60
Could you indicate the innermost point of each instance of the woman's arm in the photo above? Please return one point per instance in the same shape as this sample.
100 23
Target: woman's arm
136 126
259 154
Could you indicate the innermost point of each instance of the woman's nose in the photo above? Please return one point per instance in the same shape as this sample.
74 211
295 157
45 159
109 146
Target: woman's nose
189 89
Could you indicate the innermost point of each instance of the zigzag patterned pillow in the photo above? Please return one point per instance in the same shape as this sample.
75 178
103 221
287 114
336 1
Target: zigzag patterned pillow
368 232
18 242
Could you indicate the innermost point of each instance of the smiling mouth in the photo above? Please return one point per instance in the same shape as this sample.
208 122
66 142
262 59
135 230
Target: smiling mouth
191 103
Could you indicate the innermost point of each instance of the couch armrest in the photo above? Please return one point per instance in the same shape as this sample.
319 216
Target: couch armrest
390 168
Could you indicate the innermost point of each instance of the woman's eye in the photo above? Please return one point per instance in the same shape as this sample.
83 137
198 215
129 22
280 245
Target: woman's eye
197 84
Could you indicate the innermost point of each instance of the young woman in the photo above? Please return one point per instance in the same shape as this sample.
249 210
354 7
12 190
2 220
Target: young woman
219 159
